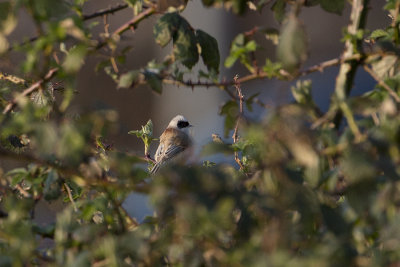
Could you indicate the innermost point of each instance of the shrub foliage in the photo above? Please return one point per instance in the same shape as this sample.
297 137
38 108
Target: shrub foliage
304 187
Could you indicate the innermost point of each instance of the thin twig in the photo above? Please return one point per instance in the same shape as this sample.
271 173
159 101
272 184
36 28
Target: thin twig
382 83
110 10
235 132
71 198
96 14
128 25
30 89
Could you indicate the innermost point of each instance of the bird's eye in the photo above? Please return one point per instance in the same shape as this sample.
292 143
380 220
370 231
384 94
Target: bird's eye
183 124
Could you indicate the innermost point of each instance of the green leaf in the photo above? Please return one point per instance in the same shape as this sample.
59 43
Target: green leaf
8 21
334 220
209 50
279 10
302 92
75 59
240 48
333 6
18 175
239 6
230 110
185 45
127 80
378 34
292 47
172 25
249 101
146 134
216 148
165 28
52 186
311 2
154 81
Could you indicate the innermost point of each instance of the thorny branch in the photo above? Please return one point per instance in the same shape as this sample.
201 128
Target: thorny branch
235 132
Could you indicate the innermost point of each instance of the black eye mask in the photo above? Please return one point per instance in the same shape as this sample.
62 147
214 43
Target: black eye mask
182 124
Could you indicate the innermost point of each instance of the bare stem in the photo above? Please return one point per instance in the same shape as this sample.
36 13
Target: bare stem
235 132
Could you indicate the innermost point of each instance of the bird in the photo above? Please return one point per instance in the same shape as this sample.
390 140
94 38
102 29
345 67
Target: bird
173 141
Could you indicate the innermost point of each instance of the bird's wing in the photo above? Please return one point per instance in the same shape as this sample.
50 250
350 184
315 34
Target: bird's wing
159 152
162 156
172 151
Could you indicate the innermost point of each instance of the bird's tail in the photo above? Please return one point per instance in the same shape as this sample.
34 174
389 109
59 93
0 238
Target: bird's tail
155 168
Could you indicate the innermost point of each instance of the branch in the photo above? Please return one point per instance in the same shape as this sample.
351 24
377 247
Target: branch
30 89
347 71
131 24
382 83
235 132
262 75
110 10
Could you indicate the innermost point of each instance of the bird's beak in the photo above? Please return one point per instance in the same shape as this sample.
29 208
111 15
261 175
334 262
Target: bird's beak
190 125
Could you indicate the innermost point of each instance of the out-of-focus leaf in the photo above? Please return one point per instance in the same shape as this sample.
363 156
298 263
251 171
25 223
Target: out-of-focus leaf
127 79
215 148
379 33
292 47
154 81
249 101
230 110
8 21
52 186
333 6
17 175
279 10
48 9
312 2
164 5
209 50
386 66
302 93
240 48
334 220
75 59
357 166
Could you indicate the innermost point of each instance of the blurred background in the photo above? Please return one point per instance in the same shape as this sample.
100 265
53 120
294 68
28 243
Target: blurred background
199 105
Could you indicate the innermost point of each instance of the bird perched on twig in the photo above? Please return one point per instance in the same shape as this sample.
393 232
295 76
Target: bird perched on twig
174 140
